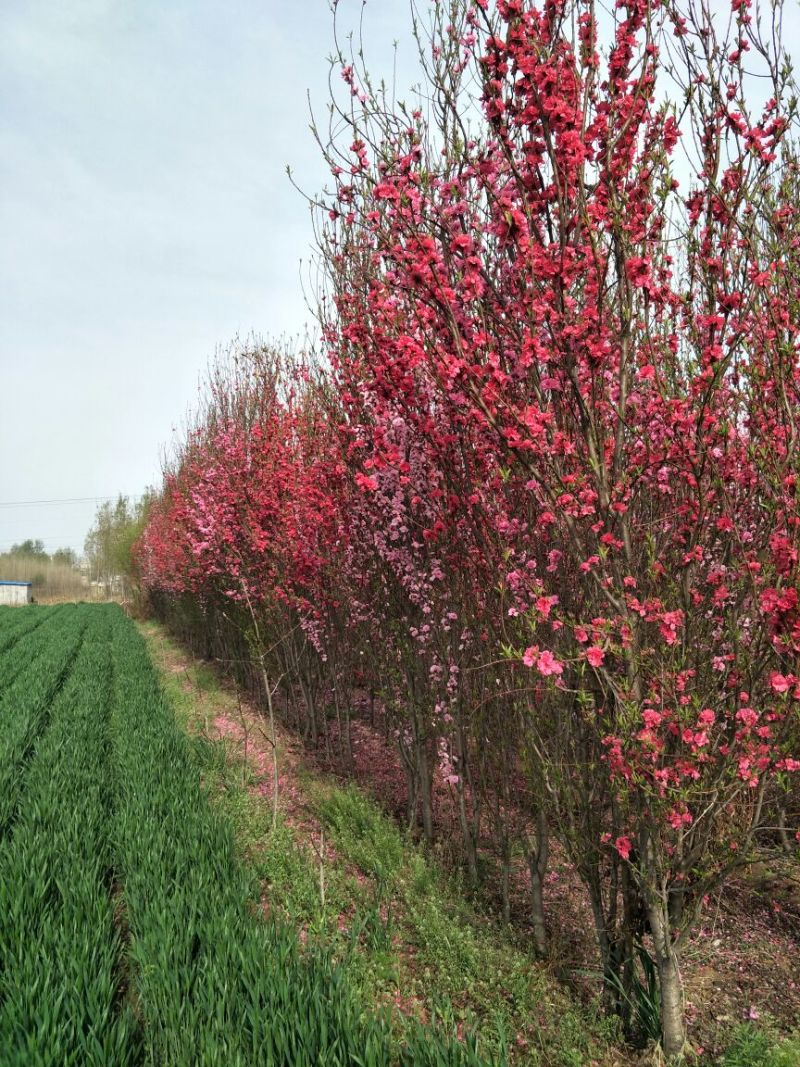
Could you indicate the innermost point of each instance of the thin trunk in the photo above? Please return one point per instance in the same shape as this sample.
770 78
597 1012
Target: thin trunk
505 876
470 843
411 785
273 744
426 792
785 840
348 735
614 957
339 727
673 1007
540 940
411 779
538 855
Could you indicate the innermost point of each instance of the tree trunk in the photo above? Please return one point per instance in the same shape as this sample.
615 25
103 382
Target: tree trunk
786 843
273 740
505 874
540 942
470 844
673 1022
538 855
426 792
673 1008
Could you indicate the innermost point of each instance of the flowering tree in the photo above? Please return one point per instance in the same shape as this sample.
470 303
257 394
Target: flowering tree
604 342
247 526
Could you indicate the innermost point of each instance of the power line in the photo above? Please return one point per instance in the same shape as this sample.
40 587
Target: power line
46 538
64 500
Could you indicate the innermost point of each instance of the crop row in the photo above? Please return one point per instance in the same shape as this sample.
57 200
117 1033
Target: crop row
14 623
214 985
29 641
25 703
59 947
19 635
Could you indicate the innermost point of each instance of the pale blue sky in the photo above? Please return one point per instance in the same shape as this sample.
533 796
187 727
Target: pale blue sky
146 218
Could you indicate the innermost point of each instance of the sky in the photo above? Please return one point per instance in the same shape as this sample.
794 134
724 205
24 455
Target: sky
147 219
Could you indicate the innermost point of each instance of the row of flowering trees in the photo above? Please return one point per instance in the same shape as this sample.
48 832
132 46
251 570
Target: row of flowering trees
540 493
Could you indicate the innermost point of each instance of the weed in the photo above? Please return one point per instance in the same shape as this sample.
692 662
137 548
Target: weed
751 1047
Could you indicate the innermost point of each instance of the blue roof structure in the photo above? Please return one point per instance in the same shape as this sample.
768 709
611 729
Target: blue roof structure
4 581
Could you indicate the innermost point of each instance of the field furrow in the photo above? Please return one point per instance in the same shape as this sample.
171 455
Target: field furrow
15 624
59 949
25 705
29 643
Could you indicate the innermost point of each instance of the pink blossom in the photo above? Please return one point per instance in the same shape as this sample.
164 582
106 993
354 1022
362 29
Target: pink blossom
547 664
530 654
545 603
366 482
747 716
779 682
623 846
595 655
678 817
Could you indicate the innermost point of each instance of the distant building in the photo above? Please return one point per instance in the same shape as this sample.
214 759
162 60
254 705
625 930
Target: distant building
15 592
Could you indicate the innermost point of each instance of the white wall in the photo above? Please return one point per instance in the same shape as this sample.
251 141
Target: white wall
15 594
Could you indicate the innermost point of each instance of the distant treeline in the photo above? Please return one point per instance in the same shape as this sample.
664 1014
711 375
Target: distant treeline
35 550
104 571
53 576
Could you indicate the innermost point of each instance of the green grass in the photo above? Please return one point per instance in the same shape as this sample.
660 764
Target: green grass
59 947
20 644
14 624
463 966
391 917
25 702
751 1047
216 983
213 985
